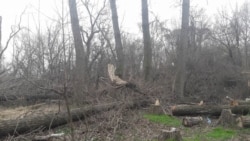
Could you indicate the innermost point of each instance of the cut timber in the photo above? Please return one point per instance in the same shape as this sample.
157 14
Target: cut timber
191 121
29 123
115 79
212 110
242 102
243 121
172 134
227 119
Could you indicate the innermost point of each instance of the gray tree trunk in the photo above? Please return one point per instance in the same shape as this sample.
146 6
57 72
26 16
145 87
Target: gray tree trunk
118 41
77 38
181 51
0 41
147 62
79 50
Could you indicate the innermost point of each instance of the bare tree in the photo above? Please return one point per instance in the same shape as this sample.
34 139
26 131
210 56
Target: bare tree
14 31
245 23
90 31
118 41
181 50
147 62
227 34
80 54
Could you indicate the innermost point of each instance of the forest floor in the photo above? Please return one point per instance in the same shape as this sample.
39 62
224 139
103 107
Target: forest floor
123 125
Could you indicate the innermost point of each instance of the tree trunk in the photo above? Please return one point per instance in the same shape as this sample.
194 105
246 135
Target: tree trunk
118 41
181 51
147 62
50 120
196 110
0 41
77 39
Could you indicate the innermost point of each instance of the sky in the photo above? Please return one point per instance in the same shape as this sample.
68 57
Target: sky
129 11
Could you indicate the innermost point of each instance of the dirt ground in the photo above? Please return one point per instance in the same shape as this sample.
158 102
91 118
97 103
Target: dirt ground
114 125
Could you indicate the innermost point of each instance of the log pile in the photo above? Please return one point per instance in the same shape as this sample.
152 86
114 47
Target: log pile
226 113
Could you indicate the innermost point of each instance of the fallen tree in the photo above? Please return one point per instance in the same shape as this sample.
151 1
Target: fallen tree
191 121
212 110
243 121
50 120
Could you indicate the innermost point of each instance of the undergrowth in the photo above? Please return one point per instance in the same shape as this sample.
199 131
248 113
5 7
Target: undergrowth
163 119
214 134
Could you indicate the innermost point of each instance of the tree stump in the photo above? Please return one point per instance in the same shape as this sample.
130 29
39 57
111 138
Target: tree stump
191 121
243 121
172 134
155 109
226 119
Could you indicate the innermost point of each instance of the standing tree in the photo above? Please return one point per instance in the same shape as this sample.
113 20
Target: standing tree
118 41
0 40
181 51
77 41
245 23
147 62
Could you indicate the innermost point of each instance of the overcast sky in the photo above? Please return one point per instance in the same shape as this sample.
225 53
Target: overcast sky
129 11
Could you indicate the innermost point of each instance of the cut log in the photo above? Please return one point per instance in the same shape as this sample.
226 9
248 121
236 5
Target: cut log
212 110
191 121
234 102
243 121
50 120
172 134
227 119
242 102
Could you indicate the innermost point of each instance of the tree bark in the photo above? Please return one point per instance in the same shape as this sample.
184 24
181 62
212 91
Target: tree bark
0 33
118 41
147 62
50 120
79 50
0 41
196 110
181 51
